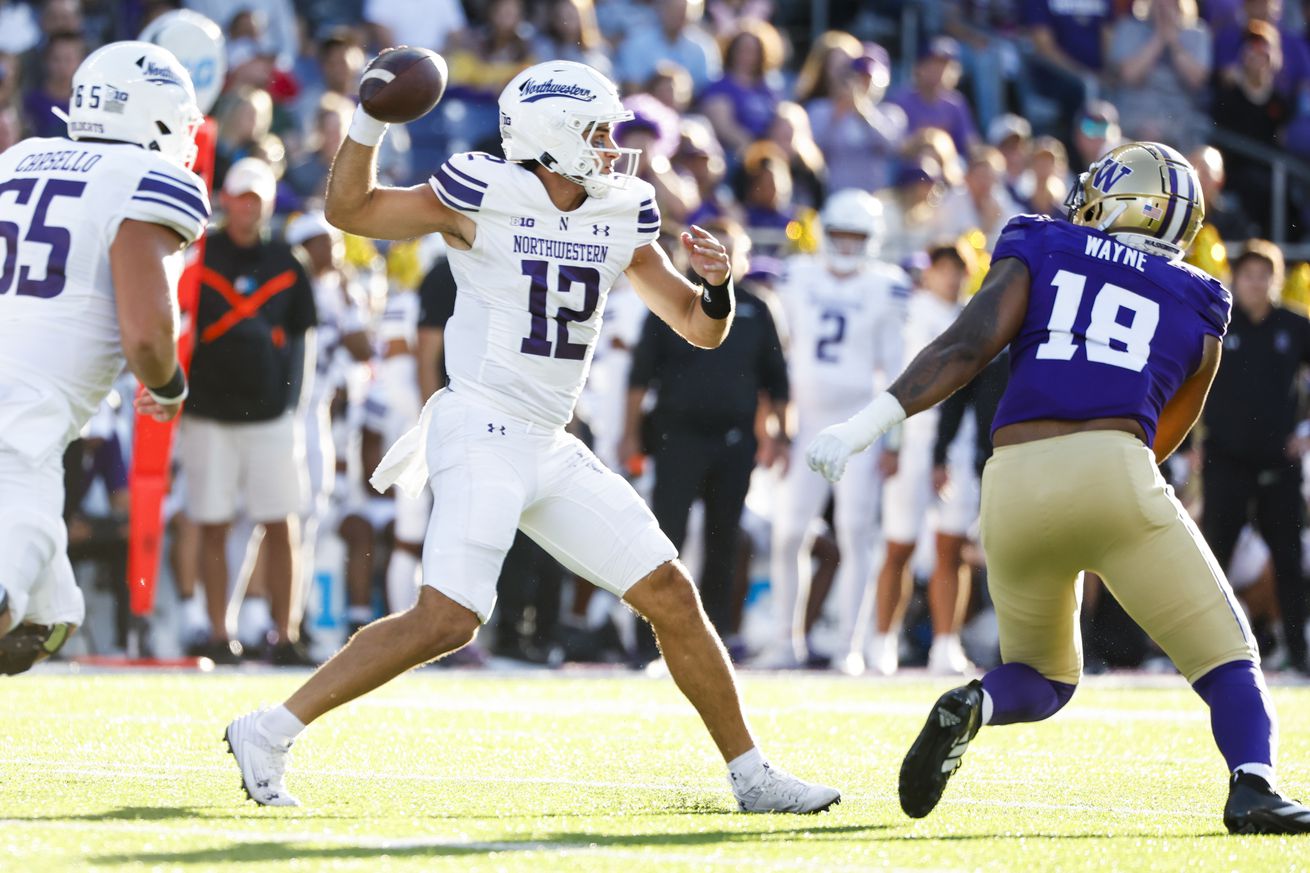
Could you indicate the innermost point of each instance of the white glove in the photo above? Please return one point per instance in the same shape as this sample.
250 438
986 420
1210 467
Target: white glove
833 447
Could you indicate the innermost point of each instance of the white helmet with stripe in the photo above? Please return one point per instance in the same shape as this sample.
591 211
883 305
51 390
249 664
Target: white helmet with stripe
136 92
549 113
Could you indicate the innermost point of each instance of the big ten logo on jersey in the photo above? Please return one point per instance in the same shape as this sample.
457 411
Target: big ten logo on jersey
522 221
1108 173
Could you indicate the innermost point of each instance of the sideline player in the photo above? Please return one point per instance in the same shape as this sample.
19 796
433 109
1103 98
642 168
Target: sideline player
1113 345
94 231
535 242
846 314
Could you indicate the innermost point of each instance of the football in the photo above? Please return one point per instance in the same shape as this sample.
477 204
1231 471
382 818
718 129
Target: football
402 84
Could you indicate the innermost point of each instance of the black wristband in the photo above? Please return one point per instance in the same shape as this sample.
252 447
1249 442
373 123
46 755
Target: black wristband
173 392
716 300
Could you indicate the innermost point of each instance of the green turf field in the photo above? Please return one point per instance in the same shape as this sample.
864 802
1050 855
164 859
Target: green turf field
473 772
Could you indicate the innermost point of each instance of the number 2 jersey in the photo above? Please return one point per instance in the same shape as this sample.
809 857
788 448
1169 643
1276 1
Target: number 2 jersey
1110 332
61 204
532 288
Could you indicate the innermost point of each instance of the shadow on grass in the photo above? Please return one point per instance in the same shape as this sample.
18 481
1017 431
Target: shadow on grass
297 847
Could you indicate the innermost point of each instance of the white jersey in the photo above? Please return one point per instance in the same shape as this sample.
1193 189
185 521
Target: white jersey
341 311
929 316
61 204
532 288
846 334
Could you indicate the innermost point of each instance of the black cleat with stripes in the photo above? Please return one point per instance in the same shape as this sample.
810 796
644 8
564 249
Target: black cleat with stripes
1255 808
936 753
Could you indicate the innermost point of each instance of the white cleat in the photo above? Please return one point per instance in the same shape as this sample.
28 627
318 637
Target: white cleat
884 654
776 658
779 791
946 657
263 765
849 664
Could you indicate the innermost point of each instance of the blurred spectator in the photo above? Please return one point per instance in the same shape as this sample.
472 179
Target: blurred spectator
1095 132
483 60
727 16
790 130
982 203
1162 67
676 39
741 104
19 34
570 33
338 62
859 136
700 158
1230 38
11 125
826 66
240 448
251 61
245 117
654 131
1050 178
704 443
1248 102
308 177
671 85
274 23
766 188
424 23
60 57
1253 447
985 31
911 209
1068 42
937 144
1013 136
1222 210
932 100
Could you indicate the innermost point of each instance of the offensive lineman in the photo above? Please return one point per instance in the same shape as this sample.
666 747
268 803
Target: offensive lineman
846 317
94 236
535 242
1113 345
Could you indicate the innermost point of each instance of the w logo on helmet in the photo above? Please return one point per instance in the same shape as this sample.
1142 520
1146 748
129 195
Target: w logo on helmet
1108 173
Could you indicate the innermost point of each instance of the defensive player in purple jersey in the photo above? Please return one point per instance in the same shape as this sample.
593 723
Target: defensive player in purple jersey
1113 345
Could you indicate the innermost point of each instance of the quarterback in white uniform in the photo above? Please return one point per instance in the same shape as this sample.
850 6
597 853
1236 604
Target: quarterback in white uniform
92 237
846 316
535 243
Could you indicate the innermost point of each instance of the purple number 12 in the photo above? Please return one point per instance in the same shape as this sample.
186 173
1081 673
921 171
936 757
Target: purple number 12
536 342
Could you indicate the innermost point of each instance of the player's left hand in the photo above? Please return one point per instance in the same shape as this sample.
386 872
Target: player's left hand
829 452
708 256
147 405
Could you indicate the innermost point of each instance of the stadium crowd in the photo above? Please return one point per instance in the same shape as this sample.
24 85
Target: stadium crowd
954 116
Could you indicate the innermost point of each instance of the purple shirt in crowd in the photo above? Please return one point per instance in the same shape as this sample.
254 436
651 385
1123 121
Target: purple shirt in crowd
949 111
1110 332
753 106
1296 54
1075 24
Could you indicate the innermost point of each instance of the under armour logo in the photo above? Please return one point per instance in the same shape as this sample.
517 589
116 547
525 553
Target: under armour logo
491 428
600 230
947 719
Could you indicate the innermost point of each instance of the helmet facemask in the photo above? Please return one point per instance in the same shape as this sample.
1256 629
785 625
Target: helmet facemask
584 163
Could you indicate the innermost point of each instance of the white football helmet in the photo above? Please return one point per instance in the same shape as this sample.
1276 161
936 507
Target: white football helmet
198 45
139 93
549 113
851 211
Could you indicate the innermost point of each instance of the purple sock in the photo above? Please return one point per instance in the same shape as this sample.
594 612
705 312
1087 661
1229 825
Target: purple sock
1241 713
1019 693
